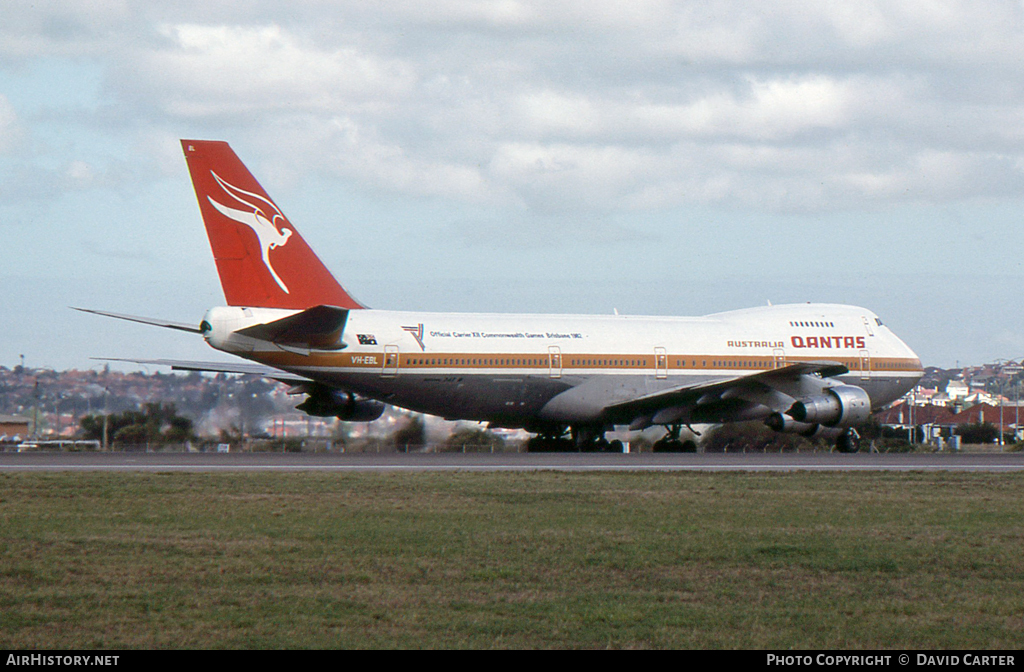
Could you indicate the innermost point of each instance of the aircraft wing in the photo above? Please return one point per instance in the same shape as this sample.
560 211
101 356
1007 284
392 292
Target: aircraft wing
712 400
219 367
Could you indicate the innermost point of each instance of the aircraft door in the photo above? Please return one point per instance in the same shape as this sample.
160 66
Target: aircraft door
865 365
390 369
779 355
660 363
555 361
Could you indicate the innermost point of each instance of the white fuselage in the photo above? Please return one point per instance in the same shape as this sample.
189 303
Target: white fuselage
512 369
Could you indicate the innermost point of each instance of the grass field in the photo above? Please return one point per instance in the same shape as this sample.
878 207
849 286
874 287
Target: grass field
623 560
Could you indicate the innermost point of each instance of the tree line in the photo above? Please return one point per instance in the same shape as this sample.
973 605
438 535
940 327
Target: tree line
155 423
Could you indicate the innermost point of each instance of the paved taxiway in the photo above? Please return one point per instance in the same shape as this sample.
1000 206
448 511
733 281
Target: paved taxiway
169 462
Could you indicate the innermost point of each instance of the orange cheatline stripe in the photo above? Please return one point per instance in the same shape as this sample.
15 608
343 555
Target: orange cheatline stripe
569 361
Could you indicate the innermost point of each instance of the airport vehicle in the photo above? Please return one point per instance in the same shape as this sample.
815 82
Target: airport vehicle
816 369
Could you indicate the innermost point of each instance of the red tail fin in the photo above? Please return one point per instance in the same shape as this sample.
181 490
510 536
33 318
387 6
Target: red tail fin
262 260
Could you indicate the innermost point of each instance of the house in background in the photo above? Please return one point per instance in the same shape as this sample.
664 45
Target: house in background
14 427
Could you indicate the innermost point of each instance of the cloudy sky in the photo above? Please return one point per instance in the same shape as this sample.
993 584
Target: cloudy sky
654 157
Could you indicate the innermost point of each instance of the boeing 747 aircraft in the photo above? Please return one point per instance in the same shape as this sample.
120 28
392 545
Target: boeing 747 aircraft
816 369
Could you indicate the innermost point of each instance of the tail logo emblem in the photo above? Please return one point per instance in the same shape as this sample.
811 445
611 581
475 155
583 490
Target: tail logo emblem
260 215
417 333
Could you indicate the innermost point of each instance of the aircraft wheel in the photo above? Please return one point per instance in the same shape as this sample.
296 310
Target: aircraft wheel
848 442
540 444
595 446
668 446
565 446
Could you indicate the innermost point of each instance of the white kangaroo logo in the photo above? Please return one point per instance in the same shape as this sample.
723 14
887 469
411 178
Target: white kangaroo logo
262 219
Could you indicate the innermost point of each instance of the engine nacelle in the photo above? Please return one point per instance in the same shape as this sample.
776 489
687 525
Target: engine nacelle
324 403
781 422
841 406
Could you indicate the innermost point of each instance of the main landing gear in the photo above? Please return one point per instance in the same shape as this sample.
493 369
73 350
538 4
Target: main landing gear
848 441
548 443
671 443
580 440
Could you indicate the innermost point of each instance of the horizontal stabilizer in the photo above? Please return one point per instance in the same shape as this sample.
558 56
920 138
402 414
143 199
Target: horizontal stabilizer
181 326
317 328
243 368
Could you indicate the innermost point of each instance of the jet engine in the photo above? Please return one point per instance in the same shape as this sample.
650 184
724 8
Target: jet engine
841 406
324 402
781 422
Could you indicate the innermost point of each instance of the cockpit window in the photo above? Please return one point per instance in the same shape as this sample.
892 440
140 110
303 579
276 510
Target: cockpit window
879 321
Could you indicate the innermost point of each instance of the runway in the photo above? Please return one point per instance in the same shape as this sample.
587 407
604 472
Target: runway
400 462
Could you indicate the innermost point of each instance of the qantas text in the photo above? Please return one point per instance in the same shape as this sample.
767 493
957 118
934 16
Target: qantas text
852 342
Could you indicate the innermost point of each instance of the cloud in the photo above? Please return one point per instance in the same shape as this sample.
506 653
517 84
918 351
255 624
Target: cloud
793 105
49 28
756 108
664 136
355 150
206 71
